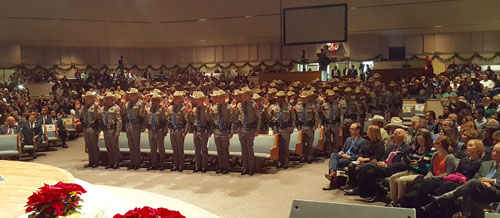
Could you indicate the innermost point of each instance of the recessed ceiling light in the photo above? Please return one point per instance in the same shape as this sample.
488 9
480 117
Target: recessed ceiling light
438 26
248 16
203 40
203 19
352 8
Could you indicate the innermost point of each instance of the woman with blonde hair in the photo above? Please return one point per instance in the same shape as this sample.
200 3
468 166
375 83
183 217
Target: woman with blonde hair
372 151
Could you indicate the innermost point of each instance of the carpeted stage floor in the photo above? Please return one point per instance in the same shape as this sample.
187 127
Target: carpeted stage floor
231 195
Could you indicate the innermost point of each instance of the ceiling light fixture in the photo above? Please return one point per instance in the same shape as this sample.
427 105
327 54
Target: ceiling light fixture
203 40
248 16
203 19
438 26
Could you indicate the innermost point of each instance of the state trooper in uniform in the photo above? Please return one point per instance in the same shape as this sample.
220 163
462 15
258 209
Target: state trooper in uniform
201 123
283 122
156 119
331 115
221 115
177 123
89 116
307 122
111 126
247 123
132 110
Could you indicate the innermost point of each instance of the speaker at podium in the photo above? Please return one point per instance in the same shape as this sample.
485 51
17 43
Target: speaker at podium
318 209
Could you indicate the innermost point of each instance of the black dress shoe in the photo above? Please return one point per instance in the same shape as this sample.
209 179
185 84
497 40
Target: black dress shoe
94 166
116 166
218 171
278 166
152 168
130 167
87 166
309 161
285 167
108 166
174 168
162 168
136 167
244 171
65 145
180 169
196 169
204 170
371 199
250 172
225 171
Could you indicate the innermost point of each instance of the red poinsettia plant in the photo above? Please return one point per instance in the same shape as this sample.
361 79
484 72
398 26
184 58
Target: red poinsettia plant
148 212
61 199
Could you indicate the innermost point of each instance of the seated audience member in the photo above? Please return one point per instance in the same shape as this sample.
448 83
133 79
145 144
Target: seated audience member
367 179
466 135
349 152
31 133
418 161
422 97
467 168
432 125
479 119
10 127
417 123
488 140
53 119
443 163
379 121
483 189
372 151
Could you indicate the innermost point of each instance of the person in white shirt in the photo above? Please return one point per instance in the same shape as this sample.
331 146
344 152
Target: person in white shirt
455 84
487 83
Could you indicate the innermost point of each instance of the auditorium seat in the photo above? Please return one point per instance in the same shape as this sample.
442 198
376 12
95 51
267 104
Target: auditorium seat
10 146
51 134
69 126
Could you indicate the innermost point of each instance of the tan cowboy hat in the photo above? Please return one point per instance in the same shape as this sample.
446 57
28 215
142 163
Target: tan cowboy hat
218 93
255 96
272 91
348 89
341 85
330 92
290 93
304 94
335 89
313 89
198 95
264 83
178 93
133 91
245 90
310 92
257 91
155 91
392 83
357 90
110 95
396 122
89 94
280 94
377 83
156 95
376 76
377 118
236 92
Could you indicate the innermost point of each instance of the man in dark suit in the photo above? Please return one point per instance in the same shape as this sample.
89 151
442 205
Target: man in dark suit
10 127
53 119
43 118
483 189
349 152
395 151
31 132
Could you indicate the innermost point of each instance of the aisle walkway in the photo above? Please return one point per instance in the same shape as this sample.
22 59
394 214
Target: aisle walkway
232 195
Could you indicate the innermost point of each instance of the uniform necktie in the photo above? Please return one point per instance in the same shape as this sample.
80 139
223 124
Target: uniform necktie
199 115
106 121
220 116
87 117
32 125
304 113
153 118
245 112
492 172
10 131
130 115
175 116
281 116
331 111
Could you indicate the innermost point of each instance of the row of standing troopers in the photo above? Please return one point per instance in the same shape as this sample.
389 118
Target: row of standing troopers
222 119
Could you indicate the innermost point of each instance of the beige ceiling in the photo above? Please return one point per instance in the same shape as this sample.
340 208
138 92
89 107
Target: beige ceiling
180 23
